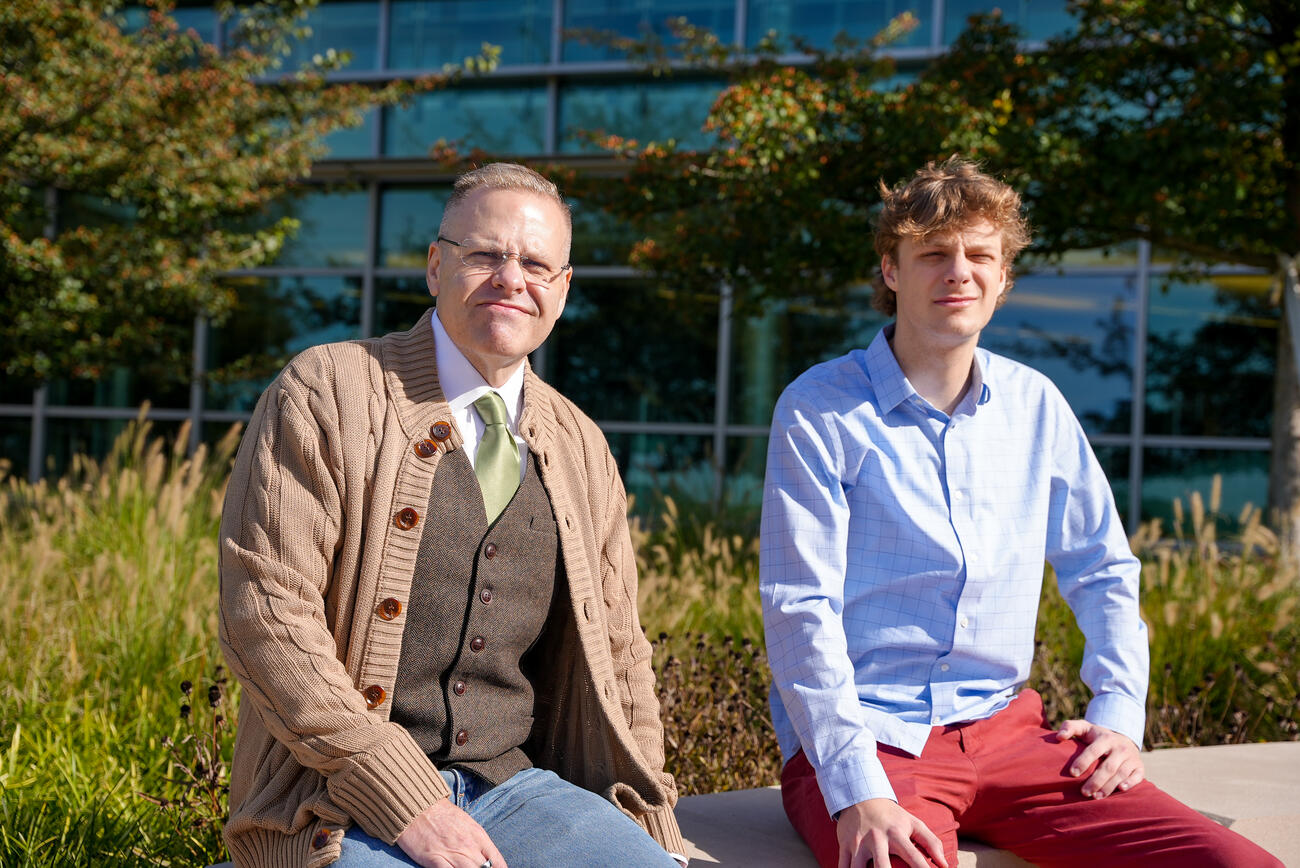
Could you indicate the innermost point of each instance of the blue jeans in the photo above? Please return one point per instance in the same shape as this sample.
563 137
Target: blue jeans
535 819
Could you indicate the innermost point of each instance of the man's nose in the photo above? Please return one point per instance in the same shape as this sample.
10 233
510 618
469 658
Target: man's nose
510 275
959 270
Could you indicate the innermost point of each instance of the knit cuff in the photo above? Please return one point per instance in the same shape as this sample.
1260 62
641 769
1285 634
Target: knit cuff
662 826
384 790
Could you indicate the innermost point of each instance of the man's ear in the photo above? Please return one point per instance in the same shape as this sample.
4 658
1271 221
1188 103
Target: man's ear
889 272
431 268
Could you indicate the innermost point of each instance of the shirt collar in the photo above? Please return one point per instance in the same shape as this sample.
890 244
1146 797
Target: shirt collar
461 382
893 388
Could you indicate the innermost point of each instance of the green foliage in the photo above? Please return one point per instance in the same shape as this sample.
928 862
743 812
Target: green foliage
134 168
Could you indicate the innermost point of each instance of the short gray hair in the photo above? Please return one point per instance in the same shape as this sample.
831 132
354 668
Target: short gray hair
506 176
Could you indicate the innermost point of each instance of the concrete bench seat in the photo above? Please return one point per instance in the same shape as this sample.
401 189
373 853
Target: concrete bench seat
1251 788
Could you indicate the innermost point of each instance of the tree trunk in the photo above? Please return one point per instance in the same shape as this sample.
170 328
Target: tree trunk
1284 466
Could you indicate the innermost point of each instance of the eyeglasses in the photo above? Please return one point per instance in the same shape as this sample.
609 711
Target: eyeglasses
477 258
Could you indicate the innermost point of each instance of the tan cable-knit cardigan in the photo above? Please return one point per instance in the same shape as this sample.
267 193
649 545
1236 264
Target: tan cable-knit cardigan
310 548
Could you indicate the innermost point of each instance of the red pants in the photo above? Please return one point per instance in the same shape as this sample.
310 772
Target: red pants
1005 781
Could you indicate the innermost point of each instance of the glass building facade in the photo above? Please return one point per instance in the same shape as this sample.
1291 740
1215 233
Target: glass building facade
1171 380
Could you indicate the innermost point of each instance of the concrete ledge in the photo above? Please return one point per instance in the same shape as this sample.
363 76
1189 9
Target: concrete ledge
1251 788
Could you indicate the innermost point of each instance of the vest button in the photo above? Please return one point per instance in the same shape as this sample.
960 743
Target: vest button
374 695
490 551
390 609
440 431
462 737
425 448
458 688
406 518
477 644
485 595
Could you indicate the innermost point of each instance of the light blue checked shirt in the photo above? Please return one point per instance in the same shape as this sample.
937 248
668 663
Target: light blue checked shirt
902 559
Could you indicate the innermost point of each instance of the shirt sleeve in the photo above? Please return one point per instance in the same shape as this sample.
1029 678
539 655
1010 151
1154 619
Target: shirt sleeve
802 562
1099 578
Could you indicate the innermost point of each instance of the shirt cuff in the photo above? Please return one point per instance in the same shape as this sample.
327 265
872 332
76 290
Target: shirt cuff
854 780
1120 713
679 859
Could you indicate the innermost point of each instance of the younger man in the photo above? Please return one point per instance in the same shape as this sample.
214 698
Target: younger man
914 490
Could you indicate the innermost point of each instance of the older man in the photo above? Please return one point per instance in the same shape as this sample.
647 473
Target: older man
428 589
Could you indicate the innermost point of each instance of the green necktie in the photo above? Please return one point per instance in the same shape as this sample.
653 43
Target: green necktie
497 463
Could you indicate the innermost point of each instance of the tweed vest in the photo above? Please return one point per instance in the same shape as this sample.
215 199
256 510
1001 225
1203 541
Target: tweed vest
478 604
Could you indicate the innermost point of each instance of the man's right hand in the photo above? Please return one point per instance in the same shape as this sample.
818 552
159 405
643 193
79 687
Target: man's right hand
873 829
444 836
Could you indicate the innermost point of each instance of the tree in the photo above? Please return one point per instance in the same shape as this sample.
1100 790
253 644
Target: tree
135 167
1175 121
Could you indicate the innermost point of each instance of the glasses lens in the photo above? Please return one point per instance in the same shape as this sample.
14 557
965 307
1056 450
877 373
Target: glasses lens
485 260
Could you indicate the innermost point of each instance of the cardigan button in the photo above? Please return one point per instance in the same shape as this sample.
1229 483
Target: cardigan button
425 448
320 839
406 518
390 609
374 695
440 430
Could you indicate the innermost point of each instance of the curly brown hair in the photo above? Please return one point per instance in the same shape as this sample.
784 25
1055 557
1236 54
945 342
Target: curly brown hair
942 198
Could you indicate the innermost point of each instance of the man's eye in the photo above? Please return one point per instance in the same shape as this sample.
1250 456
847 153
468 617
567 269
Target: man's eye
532 266
483 258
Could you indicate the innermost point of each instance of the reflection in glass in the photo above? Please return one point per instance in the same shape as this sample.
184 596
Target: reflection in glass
1114 461
1078 330
655 466
631 351
275 318
820 21
399 303
639 19
15 446
641 110
127 386
1211 355
350 26
429 33
1037 19
790 337
600 238
742 487
408 224
500 120
65 438
353 141
332 231
1177 473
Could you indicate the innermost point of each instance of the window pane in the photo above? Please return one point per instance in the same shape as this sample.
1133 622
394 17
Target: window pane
201 19
820 21
125 387
275 318
1114 461
640 18
1177 473
742 487
429 33
408 224
1037 19
790 337
658 465
499 120
599 238
348 26
1078 330
640 110
332 233
92 437
1211 356
15 446
399 302
627 350
353 141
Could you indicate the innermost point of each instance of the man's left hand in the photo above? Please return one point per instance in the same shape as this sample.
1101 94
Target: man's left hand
1119 762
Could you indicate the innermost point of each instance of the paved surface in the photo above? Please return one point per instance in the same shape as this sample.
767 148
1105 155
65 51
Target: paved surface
1252 788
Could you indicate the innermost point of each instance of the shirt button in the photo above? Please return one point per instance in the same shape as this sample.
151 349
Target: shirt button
490 551
965 622
406 518
461 737
477 644
458 688
425 448
440 431
485 595
944 667
390 609
935 720
956 495
374 695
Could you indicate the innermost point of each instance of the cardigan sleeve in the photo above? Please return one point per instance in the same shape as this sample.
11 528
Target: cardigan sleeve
280 529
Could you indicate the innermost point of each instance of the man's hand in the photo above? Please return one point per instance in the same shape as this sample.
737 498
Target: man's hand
444 836
1120 767
877 827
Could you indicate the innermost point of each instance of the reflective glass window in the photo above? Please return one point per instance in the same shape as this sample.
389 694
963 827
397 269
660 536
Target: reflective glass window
1114 461
641 18
350 26
429 33
820 21
15 446
127 386
655 466
1037 19
332 230
1211 356
641 110
507 120
399 303
1078 330
93 438
408 224
275 318
788 338
742 486
628 350
1169 474
353 141
201 19
599 238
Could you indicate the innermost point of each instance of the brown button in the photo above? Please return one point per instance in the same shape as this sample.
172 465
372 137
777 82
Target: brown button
374 695
485 595
406 518
440 431
477 643
490 550
425 448
320 839
462 737
458 688
390 609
